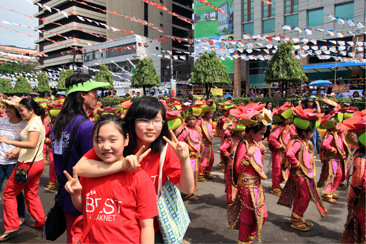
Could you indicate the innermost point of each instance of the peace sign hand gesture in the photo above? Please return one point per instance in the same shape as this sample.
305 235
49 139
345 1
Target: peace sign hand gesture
180 148
132 162
73 185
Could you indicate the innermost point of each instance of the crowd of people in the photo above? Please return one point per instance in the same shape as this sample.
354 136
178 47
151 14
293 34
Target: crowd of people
120 150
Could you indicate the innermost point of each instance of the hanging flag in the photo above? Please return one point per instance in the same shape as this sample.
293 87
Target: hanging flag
351 54
332 41
359 44
318 52
269 46
304 40
331 17
352 33
314 41
246 36
321 30
360 49
330 32
305 47
286 27
308 31
326 51
351 43
360 24
340 33
340 20
333 49
296 28
295 40
350 22
341 48
323 48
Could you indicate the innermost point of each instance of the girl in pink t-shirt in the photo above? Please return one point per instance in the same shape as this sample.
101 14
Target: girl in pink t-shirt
128 212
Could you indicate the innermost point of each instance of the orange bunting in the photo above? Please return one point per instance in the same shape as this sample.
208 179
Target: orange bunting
217 9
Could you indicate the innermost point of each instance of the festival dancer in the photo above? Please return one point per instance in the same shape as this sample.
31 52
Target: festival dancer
228 150
208 129
277 142
355 225
301 187
334 153
221 132
248 213
192 136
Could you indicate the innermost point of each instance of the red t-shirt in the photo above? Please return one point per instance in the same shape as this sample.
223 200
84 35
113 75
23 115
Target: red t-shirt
133 198
171 169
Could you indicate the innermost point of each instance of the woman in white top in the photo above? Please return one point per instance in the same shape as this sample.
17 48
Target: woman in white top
10 127
268 108
31 144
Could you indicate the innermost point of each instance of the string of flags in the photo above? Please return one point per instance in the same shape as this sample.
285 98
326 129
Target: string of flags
83 18
165 9
309 31
206 2
143 22
29 52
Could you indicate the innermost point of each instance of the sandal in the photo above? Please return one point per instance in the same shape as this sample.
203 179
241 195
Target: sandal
302 227
336 196
22 221
192 197
202 179
330 200
7 235
276 192
209 176
341 186
305 223
228 205
51 186
35 227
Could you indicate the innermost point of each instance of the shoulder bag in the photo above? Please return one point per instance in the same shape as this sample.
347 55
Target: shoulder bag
55 224
173 216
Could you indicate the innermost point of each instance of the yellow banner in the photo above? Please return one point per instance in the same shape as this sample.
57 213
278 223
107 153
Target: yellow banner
217 91
199 97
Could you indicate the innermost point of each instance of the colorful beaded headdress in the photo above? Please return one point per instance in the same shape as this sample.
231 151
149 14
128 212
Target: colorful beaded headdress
306 119
283 112
251 114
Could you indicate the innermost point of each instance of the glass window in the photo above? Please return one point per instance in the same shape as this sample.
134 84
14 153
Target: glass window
316 17
248 9
292 20
269 10
291 6
248 28
345 11
269 25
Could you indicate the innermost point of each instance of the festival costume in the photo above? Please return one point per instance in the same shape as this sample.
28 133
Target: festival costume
301 186
228 150
193 138
248 212
277 142
355 224
208 131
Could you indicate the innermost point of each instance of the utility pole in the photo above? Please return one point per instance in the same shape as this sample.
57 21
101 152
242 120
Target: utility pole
171 67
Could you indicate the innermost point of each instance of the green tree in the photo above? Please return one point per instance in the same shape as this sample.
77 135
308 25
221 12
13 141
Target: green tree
145 75
6 87
16 68
208 70
105 76
63 76
284 67
22 86
43 84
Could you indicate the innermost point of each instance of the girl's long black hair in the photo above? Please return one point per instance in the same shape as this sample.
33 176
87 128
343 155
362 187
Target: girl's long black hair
73 105
147 108
30 104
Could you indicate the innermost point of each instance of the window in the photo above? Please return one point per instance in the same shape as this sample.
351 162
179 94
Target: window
248 8
248 28
269 26
291 6
292 20
344 11
315 17
269 10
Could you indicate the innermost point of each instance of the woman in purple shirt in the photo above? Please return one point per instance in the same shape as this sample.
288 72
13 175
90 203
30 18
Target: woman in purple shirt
81 95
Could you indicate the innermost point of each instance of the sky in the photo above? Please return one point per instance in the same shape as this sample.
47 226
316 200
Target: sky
11 37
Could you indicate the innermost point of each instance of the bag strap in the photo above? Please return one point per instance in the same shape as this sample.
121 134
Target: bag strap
161 166
106 194
34 157
71 142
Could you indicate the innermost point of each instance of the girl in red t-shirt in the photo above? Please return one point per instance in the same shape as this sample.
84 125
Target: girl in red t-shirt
128 212
147 128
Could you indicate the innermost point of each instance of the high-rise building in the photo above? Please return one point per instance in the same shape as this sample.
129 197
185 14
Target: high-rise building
256 17
102 12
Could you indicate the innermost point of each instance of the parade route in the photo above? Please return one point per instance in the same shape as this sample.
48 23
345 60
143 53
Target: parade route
208 214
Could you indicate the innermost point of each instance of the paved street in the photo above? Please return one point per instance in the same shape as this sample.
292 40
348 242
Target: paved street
208 215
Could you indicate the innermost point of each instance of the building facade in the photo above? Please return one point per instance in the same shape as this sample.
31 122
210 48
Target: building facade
256 17
88 33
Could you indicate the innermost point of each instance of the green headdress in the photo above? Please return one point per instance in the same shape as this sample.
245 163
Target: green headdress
85 86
